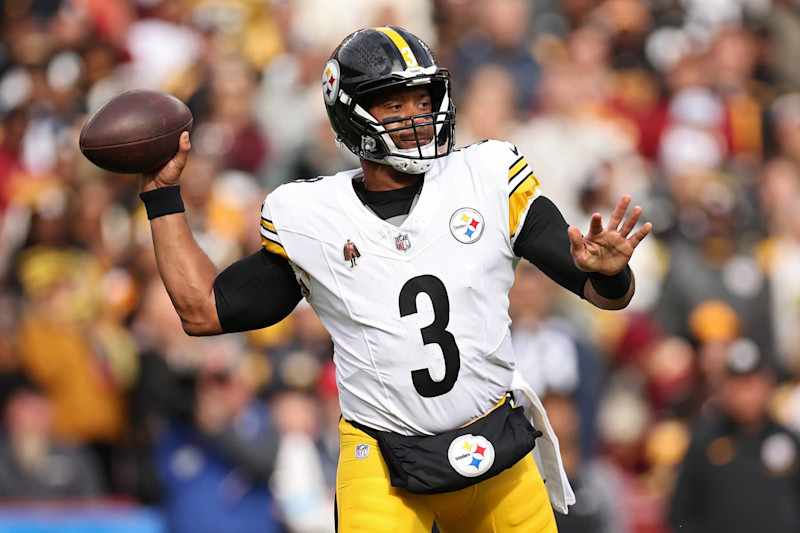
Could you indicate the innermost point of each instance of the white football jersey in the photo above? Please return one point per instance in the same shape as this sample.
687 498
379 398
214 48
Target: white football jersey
418 313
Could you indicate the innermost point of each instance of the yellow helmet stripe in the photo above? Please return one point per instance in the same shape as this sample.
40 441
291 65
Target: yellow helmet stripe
401 44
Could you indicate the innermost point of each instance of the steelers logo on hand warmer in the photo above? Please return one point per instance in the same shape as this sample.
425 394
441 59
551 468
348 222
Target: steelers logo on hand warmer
471 455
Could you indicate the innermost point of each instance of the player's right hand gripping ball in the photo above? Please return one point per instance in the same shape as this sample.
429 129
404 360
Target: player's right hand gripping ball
135 131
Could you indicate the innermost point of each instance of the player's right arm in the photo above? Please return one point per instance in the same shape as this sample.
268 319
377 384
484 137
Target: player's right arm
254 292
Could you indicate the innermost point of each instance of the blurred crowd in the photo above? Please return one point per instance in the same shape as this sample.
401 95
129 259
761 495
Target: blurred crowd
690 106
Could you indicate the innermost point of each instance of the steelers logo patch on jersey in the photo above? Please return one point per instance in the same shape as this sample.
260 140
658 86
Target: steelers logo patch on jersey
330 81
471 455
466 225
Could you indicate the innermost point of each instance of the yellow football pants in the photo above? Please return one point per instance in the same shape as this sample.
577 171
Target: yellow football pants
513 501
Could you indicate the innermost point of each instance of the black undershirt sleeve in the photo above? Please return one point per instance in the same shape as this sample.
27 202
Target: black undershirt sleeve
543 240
255 292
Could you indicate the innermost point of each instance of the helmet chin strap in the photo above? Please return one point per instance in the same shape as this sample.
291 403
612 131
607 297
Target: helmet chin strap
410 165
408 160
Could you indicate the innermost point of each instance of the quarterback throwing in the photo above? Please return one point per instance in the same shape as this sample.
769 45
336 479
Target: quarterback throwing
408 261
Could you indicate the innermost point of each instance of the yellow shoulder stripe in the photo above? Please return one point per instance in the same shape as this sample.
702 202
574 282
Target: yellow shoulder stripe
516 168
267 225
518 201
273 247
401 44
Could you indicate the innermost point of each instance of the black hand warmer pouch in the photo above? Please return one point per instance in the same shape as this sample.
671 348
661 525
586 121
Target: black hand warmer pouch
460 458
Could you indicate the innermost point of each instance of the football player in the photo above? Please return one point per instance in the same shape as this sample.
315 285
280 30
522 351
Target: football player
436 424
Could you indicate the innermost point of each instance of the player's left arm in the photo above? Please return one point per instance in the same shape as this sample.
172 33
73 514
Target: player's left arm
544 240
594 266
604 254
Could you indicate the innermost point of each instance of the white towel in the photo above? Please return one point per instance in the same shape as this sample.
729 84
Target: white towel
558 488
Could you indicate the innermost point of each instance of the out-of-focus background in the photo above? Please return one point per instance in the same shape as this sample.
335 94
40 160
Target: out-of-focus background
114 420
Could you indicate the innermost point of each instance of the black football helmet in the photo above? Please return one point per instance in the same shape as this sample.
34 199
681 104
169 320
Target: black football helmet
370 60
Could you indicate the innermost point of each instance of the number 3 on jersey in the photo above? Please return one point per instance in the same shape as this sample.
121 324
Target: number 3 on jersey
435 333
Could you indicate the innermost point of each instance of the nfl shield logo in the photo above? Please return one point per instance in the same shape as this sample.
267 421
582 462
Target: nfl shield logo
402 241
362 451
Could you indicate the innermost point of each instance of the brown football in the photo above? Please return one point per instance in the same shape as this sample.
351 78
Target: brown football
135 131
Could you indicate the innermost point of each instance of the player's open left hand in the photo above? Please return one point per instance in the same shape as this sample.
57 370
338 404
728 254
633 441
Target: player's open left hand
169 174
607 250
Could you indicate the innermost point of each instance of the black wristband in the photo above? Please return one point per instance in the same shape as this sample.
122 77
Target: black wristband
611 287
164 201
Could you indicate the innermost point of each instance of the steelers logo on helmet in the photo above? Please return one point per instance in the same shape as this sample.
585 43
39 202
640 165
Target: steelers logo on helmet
471 455
330 81
466 225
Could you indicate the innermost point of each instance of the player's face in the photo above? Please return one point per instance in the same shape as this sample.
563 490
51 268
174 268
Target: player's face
402 103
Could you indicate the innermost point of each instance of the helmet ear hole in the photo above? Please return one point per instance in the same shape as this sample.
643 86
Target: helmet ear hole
368 143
